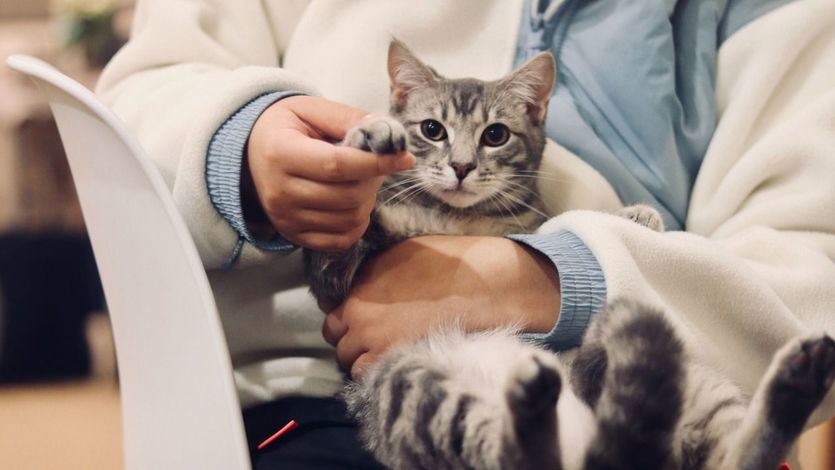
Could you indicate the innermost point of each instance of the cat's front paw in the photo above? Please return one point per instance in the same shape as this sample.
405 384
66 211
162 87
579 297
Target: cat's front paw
644 215
377 133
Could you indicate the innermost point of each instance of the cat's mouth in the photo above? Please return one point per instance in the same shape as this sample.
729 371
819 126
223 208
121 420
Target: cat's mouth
457 196
459 189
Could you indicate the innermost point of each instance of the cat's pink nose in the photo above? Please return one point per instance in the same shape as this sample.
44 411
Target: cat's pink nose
462 169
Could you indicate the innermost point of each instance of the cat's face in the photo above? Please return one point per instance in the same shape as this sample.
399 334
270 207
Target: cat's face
476 142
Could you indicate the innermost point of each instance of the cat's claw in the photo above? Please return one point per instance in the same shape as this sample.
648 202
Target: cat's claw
378 134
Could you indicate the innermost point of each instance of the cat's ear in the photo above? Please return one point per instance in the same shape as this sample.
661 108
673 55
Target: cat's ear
533 83
406 73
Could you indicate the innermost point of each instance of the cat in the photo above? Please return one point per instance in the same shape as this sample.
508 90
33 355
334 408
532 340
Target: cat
631 399
478 147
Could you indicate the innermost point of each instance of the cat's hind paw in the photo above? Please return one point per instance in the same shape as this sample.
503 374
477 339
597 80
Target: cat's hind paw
804 375
534 388
378 134
643 214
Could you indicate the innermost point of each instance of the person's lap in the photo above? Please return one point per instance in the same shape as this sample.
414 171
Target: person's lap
325 438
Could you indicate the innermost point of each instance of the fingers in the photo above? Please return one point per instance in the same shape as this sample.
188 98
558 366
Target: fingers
328 242
352 350
332 221
324 230
315 195
331 118
362 364
334 328
321 216
321 161
348 349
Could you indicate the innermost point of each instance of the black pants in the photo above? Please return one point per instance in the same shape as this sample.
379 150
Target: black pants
325 439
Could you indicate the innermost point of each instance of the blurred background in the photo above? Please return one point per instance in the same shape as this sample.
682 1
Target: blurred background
59 394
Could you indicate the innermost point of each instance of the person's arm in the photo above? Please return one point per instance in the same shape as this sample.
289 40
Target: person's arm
756 268
200 84
424 283
273 175
188 67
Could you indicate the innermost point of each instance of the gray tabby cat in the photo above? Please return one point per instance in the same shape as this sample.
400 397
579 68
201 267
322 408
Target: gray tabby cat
478 147
489 401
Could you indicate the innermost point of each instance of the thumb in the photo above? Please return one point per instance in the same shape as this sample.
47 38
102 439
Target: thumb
330 118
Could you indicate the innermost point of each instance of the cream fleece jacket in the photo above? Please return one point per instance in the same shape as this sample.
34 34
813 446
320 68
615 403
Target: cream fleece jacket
753 269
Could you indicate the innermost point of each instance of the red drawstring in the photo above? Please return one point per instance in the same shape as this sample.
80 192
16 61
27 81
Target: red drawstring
287 428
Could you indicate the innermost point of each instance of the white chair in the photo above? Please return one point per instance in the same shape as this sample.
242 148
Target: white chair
180 409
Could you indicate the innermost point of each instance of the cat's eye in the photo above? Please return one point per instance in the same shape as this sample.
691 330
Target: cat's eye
495 135
433 130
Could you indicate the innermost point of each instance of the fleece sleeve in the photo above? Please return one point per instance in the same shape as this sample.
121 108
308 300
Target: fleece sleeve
224 162
755 267
582 286
187 68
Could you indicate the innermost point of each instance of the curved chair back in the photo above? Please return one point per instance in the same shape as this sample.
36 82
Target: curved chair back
180 409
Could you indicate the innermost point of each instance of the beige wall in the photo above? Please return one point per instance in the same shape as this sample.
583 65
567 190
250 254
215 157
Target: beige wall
16 9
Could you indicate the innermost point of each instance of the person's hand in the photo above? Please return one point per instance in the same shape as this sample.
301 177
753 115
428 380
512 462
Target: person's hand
437 281
314 193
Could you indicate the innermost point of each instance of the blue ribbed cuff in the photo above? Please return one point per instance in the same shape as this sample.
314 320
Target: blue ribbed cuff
223 172
582 287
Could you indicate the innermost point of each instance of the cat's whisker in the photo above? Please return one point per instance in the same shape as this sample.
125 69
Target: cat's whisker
410 173
540 172
523 189
520 186
418 190
497 198
557 206
415 194
541 177
544 177
408 193
404 196
401 183
392 198
536 172
523 203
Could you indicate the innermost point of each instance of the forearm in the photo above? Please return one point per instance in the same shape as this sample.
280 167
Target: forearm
175 84
515 285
